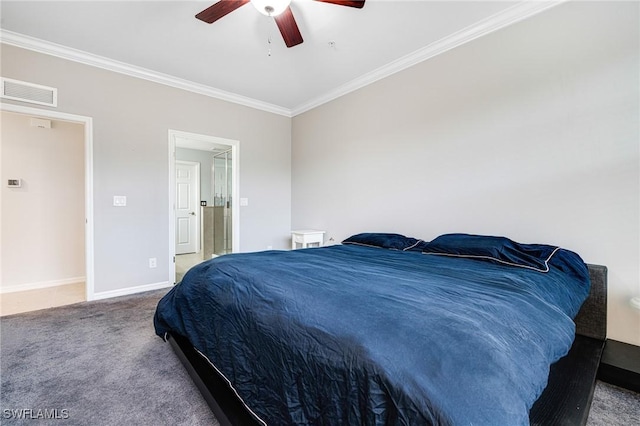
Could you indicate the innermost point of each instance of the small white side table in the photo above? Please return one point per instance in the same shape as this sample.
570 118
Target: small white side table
305 237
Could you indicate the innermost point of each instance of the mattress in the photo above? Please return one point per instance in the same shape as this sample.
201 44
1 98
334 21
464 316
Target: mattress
355 334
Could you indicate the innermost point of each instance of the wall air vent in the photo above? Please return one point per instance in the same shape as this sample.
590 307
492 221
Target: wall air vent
29 92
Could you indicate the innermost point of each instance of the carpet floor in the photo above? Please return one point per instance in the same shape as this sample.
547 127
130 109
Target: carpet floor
100 363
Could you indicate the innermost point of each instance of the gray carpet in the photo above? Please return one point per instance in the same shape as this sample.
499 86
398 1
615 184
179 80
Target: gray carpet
102 363
612 405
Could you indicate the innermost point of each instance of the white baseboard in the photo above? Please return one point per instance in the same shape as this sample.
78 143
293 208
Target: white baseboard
131 290
41 284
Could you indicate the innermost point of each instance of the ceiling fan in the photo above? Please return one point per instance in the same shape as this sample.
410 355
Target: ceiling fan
278 9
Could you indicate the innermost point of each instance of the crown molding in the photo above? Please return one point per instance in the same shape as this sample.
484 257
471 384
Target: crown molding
37 45
509 16
521 11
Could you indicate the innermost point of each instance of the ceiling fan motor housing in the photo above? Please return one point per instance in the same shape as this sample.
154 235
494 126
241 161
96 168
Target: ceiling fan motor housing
271 7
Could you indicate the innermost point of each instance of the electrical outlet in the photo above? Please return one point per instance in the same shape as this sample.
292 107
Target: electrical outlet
269 247
153 262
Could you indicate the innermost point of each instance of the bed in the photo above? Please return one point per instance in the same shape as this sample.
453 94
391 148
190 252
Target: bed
388 329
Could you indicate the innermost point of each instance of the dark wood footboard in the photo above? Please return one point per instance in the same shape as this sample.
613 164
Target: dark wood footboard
222 399
567 398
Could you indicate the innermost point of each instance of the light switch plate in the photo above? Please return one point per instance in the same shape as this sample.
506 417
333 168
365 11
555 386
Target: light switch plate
120 200
244 202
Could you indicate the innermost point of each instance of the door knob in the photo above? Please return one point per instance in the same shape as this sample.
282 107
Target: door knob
192 213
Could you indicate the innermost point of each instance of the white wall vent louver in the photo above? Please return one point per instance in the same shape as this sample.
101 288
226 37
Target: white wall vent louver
29 92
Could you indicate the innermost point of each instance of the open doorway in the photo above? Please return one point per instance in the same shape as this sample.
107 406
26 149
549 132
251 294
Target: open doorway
46 209
203 188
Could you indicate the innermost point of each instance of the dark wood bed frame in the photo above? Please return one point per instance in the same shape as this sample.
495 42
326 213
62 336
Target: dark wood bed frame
565 401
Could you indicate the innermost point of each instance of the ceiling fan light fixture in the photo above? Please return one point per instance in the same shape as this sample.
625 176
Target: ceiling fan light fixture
271 7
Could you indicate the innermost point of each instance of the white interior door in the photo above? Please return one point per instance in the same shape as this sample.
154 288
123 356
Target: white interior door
187 207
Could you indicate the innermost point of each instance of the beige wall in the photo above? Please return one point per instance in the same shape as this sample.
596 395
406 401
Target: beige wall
42 221
530 132
131 119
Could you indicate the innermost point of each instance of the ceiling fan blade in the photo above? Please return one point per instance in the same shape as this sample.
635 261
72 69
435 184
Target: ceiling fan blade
288 28
356 4
220 9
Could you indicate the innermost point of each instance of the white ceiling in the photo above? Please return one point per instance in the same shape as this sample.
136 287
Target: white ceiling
344 48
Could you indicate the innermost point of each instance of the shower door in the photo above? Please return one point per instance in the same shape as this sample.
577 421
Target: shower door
222 190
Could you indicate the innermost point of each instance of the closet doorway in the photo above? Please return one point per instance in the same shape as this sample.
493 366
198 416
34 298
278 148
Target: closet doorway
47 214
204 225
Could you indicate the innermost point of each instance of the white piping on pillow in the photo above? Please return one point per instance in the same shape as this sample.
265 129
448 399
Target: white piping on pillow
471 256
371 245
412 246
363 245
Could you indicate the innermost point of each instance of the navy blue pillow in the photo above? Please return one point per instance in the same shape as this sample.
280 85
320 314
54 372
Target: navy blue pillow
497 249
381 240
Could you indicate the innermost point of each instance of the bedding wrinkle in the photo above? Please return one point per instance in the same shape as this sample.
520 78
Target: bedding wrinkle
357 335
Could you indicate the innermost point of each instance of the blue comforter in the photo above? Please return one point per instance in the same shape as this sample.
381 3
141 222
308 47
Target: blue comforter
358 335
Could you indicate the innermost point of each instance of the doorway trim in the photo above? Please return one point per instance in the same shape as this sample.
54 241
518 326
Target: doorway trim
88 180
178 138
